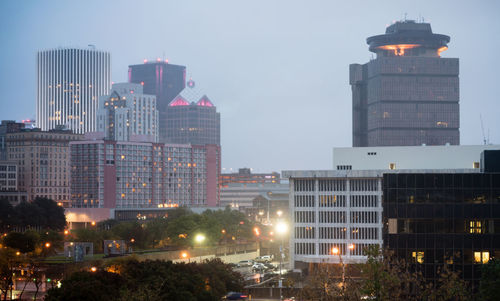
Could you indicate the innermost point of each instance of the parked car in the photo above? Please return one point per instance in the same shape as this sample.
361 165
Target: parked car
245 263
235 296
258 266
264 258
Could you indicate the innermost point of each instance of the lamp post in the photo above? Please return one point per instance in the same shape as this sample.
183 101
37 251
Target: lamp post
281 229
199 238
335 251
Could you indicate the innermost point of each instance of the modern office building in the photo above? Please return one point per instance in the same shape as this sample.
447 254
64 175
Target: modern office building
349 203
42 159
437 217
69 83
127 112
161 79
130 174
245 176
8 126
408 95
333 209
409 157
192 118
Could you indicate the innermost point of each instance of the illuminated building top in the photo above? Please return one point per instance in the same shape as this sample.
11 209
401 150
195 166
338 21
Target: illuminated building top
408 38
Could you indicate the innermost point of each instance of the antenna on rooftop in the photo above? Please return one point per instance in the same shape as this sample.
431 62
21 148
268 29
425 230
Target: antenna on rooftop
485 141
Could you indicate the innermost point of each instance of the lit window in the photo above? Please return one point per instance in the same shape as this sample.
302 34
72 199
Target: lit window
419 256
481 257
475 227
475 165
392 165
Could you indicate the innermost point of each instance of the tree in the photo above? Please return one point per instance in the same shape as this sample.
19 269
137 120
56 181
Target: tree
23 242
8 262
6 215
53 214
100 285
449 286
489 287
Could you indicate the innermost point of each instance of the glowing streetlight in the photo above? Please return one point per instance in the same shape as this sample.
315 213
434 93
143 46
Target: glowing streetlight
256 231
199 238
281 229
185 255
351 247
335 250
279 213
93 269
66 232
93 223
47 244
18 253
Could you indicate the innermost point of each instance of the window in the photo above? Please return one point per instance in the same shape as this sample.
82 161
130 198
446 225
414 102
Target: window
481 257
475 165
476 227
418 256
392 165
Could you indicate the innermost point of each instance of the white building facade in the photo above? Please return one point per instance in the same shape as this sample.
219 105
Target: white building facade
409 157
333 209
69 83
126 112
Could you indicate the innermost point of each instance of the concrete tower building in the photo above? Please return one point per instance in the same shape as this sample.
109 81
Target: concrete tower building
126 113
69 83
161 79
409 94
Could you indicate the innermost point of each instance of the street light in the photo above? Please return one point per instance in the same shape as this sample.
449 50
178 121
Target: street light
185 255
336 251
199 238
281 229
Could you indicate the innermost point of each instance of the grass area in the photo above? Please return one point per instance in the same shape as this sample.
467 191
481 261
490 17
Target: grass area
63 259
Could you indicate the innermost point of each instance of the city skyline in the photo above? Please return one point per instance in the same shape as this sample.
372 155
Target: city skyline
276 70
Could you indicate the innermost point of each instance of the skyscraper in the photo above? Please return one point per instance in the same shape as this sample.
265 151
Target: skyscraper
409 94
162 79
127 112
192 118
69 83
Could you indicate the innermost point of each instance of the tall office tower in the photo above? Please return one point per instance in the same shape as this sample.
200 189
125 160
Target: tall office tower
43 163
7 126
162 79
69 83
408 95
126 113
192 118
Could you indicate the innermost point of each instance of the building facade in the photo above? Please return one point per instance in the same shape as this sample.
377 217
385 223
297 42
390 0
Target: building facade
245 176
333 209
161 79
42 158
192 118
8 126
9 188
69 82
409 157
409 94
451 217
127 174
127 112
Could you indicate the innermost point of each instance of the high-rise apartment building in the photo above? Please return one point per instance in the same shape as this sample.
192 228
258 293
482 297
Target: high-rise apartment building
9 189
161 79
127 112
192 118
69 83
409 94
126 174
42 158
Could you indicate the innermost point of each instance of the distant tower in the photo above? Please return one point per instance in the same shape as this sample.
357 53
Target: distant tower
69 83
128 114
192 118
408 95
161 79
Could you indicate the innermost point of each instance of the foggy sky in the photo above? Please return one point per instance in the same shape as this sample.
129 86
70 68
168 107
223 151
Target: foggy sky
276 70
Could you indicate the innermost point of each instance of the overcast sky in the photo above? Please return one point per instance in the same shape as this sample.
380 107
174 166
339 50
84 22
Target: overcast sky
276 70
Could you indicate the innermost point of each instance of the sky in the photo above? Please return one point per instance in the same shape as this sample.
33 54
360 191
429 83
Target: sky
278 71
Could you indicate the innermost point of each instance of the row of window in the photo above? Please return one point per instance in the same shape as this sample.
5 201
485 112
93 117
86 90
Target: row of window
335 201
335 185
357 233
360 217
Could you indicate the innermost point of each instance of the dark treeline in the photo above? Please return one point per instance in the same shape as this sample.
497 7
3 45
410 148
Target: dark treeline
149 280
